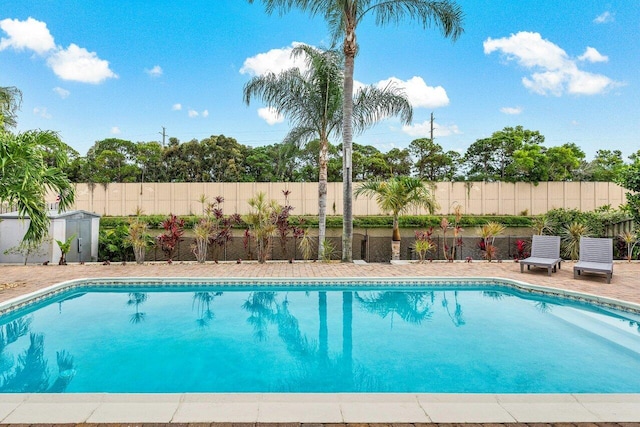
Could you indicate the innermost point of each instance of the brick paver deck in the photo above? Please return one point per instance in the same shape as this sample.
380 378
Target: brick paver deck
625 284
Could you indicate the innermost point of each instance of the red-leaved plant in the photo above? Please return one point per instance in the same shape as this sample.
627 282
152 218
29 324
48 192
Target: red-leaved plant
173 231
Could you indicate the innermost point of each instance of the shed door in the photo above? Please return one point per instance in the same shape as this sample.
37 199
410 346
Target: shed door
81 245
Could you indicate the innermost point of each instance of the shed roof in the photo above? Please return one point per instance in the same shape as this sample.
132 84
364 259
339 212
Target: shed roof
53 214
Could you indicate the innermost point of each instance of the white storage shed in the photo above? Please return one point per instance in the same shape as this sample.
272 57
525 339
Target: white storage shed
84 246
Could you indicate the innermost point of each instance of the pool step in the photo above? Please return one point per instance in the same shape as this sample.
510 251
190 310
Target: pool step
615 330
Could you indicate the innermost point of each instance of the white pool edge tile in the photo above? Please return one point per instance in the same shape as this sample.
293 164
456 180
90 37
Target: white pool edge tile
327 408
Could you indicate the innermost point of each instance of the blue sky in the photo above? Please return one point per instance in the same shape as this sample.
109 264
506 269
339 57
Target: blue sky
92 70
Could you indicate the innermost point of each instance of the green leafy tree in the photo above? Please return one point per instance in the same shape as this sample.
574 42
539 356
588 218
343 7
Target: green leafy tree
489 159
399 162
25 177
530 164
148 158
564 162
343 17
432 162
111 160
397 195
312 101
629 178
606 166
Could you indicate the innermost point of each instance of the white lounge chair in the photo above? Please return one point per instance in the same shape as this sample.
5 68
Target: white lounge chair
596 256
545 253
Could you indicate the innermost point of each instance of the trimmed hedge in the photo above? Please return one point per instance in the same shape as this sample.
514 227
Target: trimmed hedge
408 221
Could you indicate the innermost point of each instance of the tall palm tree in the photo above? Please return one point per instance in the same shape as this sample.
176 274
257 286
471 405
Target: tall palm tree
343 17
398 195
312 101
25 177
10 100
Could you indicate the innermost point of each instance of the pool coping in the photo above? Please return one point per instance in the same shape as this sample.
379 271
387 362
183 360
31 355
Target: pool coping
48 408
52 290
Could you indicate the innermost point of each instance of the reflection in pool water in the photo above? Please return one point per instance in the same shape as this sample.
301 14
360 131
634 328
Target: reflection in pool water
482 340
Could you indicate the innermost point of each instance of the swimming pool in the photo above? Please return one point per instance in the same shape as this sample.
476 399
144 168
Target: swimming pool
306 336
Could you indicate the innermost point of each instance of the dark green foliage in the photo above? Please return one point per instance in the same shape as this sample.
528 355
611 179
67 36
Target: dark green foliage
596 221
629 178
381 221
113 244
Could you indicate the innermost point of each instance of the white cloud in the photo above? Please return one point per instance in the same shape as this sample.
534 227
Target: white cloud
193 113
273 61
205 113
418 92
604 18
176 107
270 115
511 110
115 130
62 93
42 112
592 55
73 63
78 64
423 129
553 71
30 34
156 71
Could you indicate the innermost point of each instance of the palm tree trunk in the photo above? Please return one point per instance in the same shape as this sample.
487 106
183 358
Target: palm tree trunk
347 134
322 197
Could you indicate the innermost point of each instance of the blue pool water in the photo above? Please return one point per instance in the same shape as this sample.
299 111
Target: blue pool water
457 339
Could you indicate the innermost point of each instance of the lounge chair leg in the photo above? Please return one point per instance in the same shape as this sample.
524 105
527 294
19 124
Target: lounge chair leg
549 271
521 268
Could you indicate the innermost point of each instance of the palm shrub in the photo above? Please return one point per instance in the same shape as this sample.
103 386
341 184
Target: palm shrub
397 195
630 240
139 239
202 232
488 233
305 242
261 223
571 235
541 224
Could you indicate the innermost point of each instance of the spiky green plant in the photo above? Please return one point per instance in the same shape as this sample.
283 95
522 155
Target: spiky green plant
488 232
571 235
139 239
541 225
631 240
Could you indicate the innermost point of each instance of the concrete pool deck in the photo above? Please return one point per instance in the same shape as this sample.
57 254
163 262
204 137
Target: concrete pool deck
321 408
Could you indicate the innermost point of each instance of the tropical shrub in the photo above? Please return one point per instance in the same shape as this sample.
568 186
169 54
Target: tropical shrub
488 233
139 239
65 247
261 224
113 244
449 250
630 240
173 231
423 244
571 235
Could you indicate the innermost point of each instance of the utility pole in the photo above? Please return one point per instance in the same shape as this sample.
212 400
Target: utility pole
431 126
164 133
